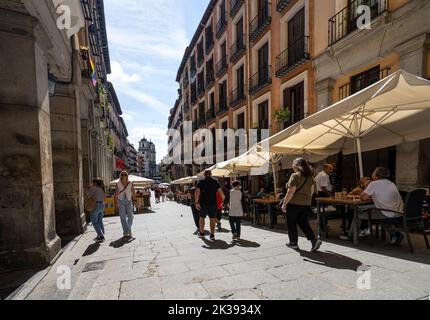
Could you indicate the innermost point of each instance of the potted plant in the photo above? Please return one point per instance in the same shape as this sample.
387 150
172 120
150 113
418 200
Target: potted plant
282 116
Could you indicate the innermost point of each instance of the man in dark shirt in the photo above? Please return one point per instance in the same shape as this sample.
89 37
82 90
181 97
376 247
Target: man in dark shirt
206 203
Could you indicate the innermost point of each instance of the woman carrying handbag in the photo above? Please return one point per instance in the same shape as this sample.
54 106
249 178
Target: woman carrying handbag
95 204
297 204
124 197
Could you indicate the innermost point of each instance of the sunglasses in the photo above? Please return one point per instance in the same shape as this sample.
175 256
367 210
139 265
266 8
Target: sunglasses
124 175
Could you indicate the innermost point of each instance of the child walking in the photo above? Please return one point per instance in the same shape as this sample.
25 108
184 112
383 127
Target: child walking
236 210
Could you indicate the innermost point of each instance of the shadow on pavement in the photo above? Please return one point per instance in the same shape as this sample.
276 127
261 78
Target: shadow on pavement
247 244
217 245
92 248
223 230
121 242
331 260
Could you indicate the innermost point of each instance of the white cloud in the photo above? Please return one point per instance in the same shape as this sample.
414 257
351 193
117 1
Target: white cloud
148 101
119 78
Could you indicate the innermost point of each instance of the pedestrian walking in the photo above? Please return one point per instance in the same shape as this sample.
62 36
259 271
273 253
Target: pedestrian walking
219 203
236 210
163 194
157 194
98 192
196 213
206 203
297 204
124 196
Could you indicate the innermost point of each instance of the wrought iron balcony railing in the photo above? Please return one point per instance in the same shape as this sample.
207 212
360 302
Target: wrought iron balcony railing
346 20
259 24
260 79
210 115
221 66
221 25
292 57
235 6
237 48
237 95
347 90
210 78
222 108
201 89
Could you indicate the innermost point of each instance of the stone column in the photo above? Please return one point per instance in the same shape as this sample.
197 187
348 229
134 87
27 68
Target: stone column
324 93
67 161
27 218
412 158
85 141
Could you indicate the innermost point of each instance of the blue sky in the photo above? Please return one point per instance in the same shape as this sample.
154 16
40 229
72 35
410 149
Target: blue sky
147 40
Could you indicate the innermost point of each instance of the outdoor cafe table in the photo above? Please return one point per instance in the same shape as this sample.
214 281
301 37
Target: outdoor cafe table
354 203
269 202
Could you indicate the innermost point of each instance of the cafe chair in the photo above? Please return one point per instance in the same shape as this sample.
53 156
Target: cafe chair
411 219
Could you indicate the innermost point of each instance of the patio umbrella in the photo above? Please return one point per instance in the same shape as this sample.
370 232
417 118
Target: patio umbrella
390 112
138 182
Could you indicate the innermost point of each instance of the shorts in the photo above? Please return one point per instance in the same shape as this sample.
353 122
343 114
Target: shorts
208 210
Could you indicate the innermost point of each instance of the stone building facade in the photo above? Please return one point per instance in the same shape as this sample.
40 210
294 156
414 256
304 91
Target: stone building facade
55 114
250 59
147 158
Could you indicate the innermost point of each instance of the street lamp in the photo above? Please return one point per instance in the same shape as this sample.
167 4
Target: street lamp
52 82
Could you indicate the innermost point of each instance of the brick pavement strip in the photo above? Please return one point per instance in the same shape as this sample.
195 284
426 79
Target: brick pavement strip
166 261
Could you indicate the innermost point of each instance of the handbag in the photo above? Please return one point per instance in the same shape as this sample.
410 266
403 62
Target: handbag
90 204
301 187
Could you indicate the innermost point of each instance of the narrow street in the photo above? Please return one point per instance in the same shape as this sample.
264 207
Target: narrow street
166 261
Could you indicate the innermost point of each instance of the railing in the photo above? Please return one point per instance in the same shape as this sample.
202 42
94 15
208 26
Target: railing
209 43
260 79
346 20
235 5
346 90
222 108
259 24
201 121
237 48
281 5
210 115
210 78
294 55
221 66
200 89
237 95
200 58
221 25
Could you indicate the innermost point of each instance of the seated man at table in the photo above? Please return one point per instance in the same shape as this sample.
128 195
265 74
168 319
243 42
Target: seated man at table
385 195
322 181
261 194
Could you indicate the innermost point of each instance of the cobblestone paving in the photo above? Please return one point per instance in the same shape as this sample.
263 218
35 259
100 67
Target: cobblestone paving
166 261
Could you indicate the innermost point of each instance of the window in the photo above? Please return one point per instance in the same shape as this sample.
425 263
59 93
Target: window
241 121
365 79
223 96
294 98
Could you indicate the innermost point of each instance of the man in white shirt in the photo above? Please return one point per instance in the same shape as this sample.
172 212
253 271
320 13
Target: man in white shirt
322 180
385 195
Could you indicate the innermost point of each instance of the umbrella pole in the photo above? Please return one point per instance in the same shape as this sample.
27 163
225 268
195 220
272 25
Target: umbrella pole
360 158
274 179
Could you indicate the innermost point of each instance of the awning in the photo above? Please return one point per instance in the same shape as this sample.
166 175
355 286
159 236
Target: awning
138 182
390 112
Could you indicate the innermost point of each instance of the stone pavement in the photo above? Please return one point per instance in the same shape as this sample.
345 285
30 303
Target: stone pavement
166 261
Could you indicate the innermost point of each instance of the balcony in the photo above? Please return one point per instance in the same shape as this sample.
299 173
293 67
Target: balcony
237 96
209 43
221 66
346 90
259 24
260 79
201 89
345 21
200 59
295 55
237 49
222 108
235 6
281 5
210 115
221 26
201 122
210 78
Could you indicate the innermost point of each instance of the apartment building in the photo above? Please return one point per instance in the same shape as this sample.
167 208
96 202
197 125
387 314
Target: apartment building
349 59
247 61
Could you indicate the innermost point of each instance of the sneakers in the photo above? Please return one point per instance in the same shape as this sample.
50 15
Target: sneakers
212 237
201 235
219 227
316 245
196 232
364 233
234 236
99 239
293 246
